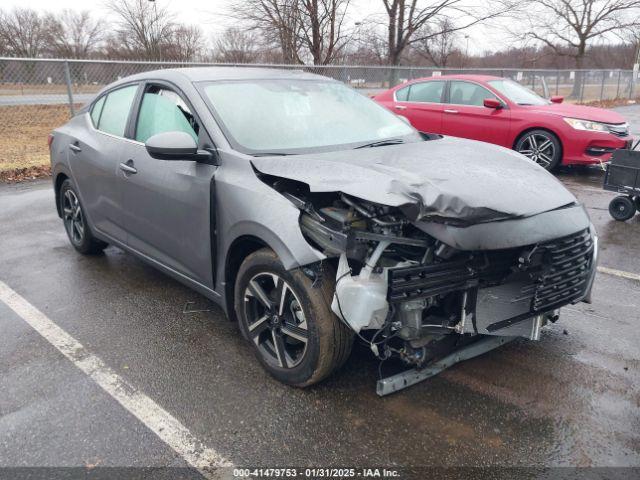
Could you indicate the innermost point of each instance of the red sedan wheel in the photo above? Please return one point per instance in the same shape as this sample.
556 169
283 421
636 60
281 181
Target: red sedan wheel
542 147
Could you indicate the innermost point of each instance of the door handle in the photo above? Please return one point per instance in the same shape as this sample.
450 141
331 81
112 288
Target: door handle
451 111
128 168
400 107
74 147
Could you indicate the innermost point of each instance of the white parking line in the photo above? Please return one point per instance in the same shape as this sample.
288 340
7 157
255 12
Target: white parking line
158 420
619 273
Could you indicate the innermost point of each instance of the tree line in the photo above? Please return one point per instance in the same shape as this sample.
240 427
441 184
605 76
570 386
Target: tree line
546 33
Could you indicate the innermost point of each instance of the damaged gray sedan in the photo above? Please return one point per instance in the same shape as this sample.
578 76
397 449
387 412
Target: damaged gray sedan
313 216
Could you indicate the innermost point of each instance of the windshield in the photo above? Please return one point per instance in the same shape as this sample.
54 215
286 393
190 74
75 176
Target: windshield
517 93
293 116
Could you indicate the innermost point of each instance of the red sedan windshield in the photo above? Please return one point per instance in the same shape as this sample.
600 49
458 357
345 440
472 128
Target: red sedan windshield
517 93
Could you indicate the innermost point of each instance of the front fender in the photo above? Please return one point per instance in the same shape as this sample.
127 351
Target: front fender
292 255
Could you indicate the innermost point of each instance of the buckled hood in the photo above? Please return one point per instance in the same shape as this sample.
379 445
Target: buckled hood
449 180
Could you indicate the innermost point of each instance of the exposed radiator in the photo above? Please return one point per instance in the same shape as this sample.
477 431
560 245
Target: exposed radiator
559 276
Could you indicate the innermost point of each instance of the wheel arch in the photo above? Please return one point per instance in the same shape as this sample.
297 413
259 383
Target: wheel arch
239 249
57 185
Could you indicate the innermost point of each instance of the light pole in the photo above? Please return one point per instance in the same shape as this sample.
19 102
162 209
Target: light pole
466 50
157 30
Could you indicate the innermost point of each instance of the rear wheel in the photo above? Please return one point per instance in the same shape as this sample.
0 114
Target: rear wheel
622 208
542 147
288 321
75 223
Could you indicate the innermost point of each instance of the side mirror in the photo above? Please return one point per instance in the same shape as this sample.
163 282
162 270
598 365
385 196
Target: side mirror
557 99
492 103
172 146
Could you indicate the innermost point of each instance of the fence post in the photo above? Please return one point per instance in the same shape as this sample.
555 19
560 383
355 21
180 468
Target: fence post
67 77
602 84
557 82
618 85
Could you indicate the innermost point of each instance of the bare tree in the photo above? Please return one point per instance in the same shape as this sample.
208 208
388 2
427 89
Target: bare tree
568 26
187 44
236 46
407 20
367 48
303 29
277 22
142 27
440 48
22 32
323 32
73 34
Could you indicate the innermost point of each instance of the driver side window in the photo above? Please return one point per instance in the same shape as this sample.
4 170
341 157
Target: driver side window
163 110
466 93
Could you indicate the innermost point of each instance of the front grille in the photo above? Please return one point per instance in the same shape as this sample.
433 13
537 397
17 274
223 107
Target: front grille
620 130
565 272
558 273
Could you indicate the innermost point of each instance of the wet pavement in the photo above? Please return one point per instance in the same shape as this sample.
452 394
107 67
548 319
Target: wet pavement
572 399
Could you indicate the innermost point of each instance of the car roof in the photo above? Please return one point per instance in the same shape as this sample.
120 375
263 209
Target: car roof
202 74
477 78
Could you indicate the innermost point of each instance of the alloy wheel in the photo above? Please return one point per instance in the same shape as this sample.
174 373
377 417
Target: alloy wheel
539 148
73 219
275 320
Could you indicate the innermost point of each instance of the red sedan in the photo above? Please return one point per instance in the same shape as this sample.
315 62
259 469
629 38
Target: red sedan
501 111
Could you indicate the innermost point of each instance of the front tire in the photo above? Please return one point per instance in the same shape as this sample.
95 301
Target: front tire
542 147
75 222
288 320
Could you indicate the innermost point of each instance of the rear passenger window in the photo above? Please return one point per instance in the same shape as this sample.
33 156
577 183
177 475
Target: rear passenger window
97 110
430 92
115 110
403 94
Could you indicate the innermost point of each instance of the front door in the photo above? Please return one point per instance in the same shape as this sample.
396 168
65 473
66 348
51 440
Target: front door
465 115
167 202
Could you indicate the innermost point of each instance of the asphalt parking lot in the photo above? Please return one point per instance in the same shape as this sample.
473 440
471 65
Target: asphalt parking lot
572 399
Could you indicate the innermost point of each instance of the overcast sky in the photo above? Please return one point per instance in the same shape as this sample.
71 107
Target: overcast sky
210 15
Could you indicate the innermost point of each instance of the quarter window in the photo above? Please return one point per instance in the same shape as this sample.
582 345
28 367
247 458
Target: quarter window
97 110
465 93
115 110
403 94
430 92
163 110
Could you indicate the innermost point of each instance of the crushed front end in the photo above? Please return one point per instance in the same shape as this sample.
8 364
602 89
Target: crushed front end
411 295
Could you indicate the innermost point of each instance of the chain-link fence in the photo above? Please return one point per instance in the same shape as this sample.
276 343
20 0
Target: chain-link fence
36 95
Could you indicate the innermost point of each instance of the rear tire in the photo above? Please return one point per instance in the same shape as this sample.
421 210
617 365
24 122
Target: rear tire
542 147
78 230
288 320
622 208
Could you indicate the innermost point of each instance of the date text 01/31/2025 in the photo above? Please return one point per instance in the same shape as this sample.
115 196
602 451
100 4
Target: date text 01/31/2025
316 472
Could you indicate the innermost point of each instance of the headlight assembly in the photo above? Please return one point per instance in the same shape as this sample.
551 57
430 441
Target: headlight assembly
586 125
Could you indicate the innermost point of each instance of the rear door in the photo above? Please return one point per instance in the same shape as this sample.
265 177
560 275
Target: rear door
167 202
465 115
421 103
94 155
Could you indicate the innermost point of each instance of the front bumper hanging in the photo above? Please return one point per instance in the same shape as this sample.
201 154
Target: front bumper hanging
405 379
